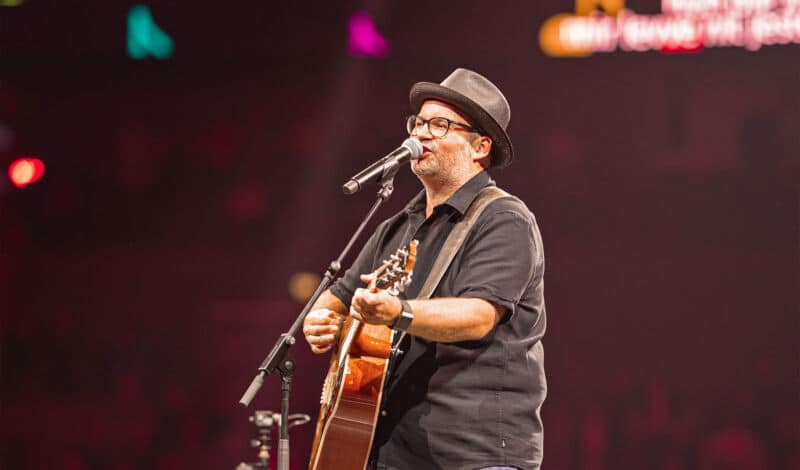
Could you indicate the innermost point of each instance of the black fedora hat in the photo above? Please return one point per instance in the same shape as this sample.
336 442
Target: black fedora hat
480 100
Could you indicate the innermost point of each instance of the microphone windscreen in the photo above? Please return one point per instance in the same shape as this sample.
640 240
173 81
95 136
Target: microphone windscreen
414 146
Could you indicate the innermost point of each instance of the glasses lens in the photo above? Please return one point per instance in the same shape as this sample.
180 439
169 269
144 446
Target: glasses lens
438 126
412 123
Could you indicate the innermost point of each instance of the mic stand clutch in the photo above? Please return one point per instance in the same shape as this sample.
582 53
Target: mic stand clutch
278 358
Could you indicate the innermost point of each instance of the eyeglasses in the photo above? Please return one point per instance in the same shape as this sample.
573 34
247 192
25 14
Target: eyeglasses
437 126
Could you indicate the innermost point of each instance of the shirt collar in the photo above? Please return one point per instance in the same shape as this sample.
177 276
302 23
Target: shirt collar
461 199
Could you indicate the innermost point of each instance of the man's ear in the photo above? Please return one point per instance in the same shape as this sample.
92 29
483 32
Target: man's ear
482 146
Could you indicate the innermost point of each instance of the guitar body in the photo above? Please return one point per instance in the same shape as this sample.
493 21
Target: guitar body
351 397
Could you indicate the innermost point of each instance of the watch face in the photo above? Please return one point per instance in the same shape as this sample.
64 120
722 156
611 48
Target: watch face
404 321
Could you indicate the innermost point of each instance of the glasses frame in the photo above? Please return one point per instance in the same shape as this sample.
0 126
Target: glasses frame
412 119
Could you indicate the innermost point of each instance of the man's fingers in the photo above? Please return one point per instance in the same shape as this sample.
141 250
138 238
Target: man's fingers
322 317
317 330
356 315
320 329
320 349
321 340
365 298
324 313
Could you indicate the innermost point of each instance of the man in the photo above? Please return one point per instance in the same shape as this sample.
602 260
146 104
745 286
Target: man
467 391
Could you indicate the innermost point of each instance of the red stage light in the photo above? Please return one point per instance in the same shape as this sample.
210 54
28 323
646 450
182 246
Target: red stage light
25 171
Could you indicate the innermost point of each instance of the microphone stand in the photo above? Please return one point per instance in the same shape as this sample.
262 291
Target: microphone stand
279 359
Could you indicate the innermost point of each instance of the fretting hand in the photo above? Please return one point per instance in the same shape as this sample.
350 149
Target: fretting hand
379 308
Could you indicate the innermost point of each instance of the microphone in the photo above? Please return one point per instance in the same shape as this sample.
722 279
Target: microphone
410 150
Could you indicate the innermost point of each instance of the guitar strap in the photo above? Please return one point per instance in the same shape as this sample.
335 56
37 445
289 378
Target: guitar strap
456 238
451 246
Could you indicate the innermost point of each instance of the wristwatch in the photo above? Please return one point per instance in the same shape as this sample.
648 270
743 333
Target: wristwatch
405 318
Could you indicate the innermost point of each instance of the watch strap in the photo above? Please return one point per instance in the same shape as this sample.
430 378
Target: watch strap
405 318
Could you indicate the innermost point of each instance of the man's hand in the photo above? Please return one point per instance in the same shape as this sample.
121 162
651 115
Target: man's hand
378 308
321 328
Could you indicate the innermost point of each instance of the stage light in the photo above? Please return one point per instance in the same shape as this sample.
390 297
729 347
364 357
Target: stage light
25 171
302 286
11 3
364 38
145 37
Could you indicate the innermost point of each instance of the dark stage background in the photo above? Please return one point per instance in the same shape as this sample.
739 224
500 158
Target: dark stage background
144 277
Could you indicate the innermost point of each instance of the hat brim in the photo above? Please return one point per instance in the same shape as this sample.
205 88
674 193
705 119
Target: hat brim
502 151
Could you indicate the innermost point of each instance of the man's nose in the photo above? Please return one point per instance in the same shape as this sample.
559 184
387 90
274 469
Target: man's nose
422 131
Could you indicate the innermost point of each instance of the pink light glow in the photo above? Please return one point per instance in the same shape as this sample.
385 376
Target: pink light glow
364 40
25 171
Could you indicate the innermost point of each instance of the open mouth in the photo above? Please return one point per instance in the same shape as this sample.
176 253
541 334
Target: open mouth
426 152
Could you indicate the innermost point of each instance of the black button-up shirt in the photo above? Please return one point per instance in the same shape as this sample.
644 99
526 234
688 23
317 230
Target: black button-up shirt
473 403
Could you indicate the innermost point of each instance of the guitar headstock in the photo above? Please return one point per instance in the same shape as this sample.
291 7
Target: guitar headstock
395 273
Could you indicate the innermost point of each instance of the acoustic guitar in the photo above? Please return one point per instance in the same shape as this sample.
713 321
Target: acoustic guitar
351 394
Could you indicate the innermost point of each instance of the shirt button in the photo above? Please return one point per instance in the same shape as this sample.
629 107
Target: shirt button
384 413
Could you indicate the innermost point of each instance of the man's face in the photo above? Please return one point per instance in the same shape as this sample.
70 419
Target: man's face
443 157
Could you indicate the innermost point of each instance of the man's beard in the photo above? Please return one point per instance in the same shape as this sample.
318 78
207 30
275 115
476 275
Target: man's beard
443 170
425 167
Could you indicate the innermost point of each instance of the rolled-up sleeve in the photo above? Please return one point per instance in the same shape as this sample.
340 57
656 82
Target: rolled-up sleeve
499 259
